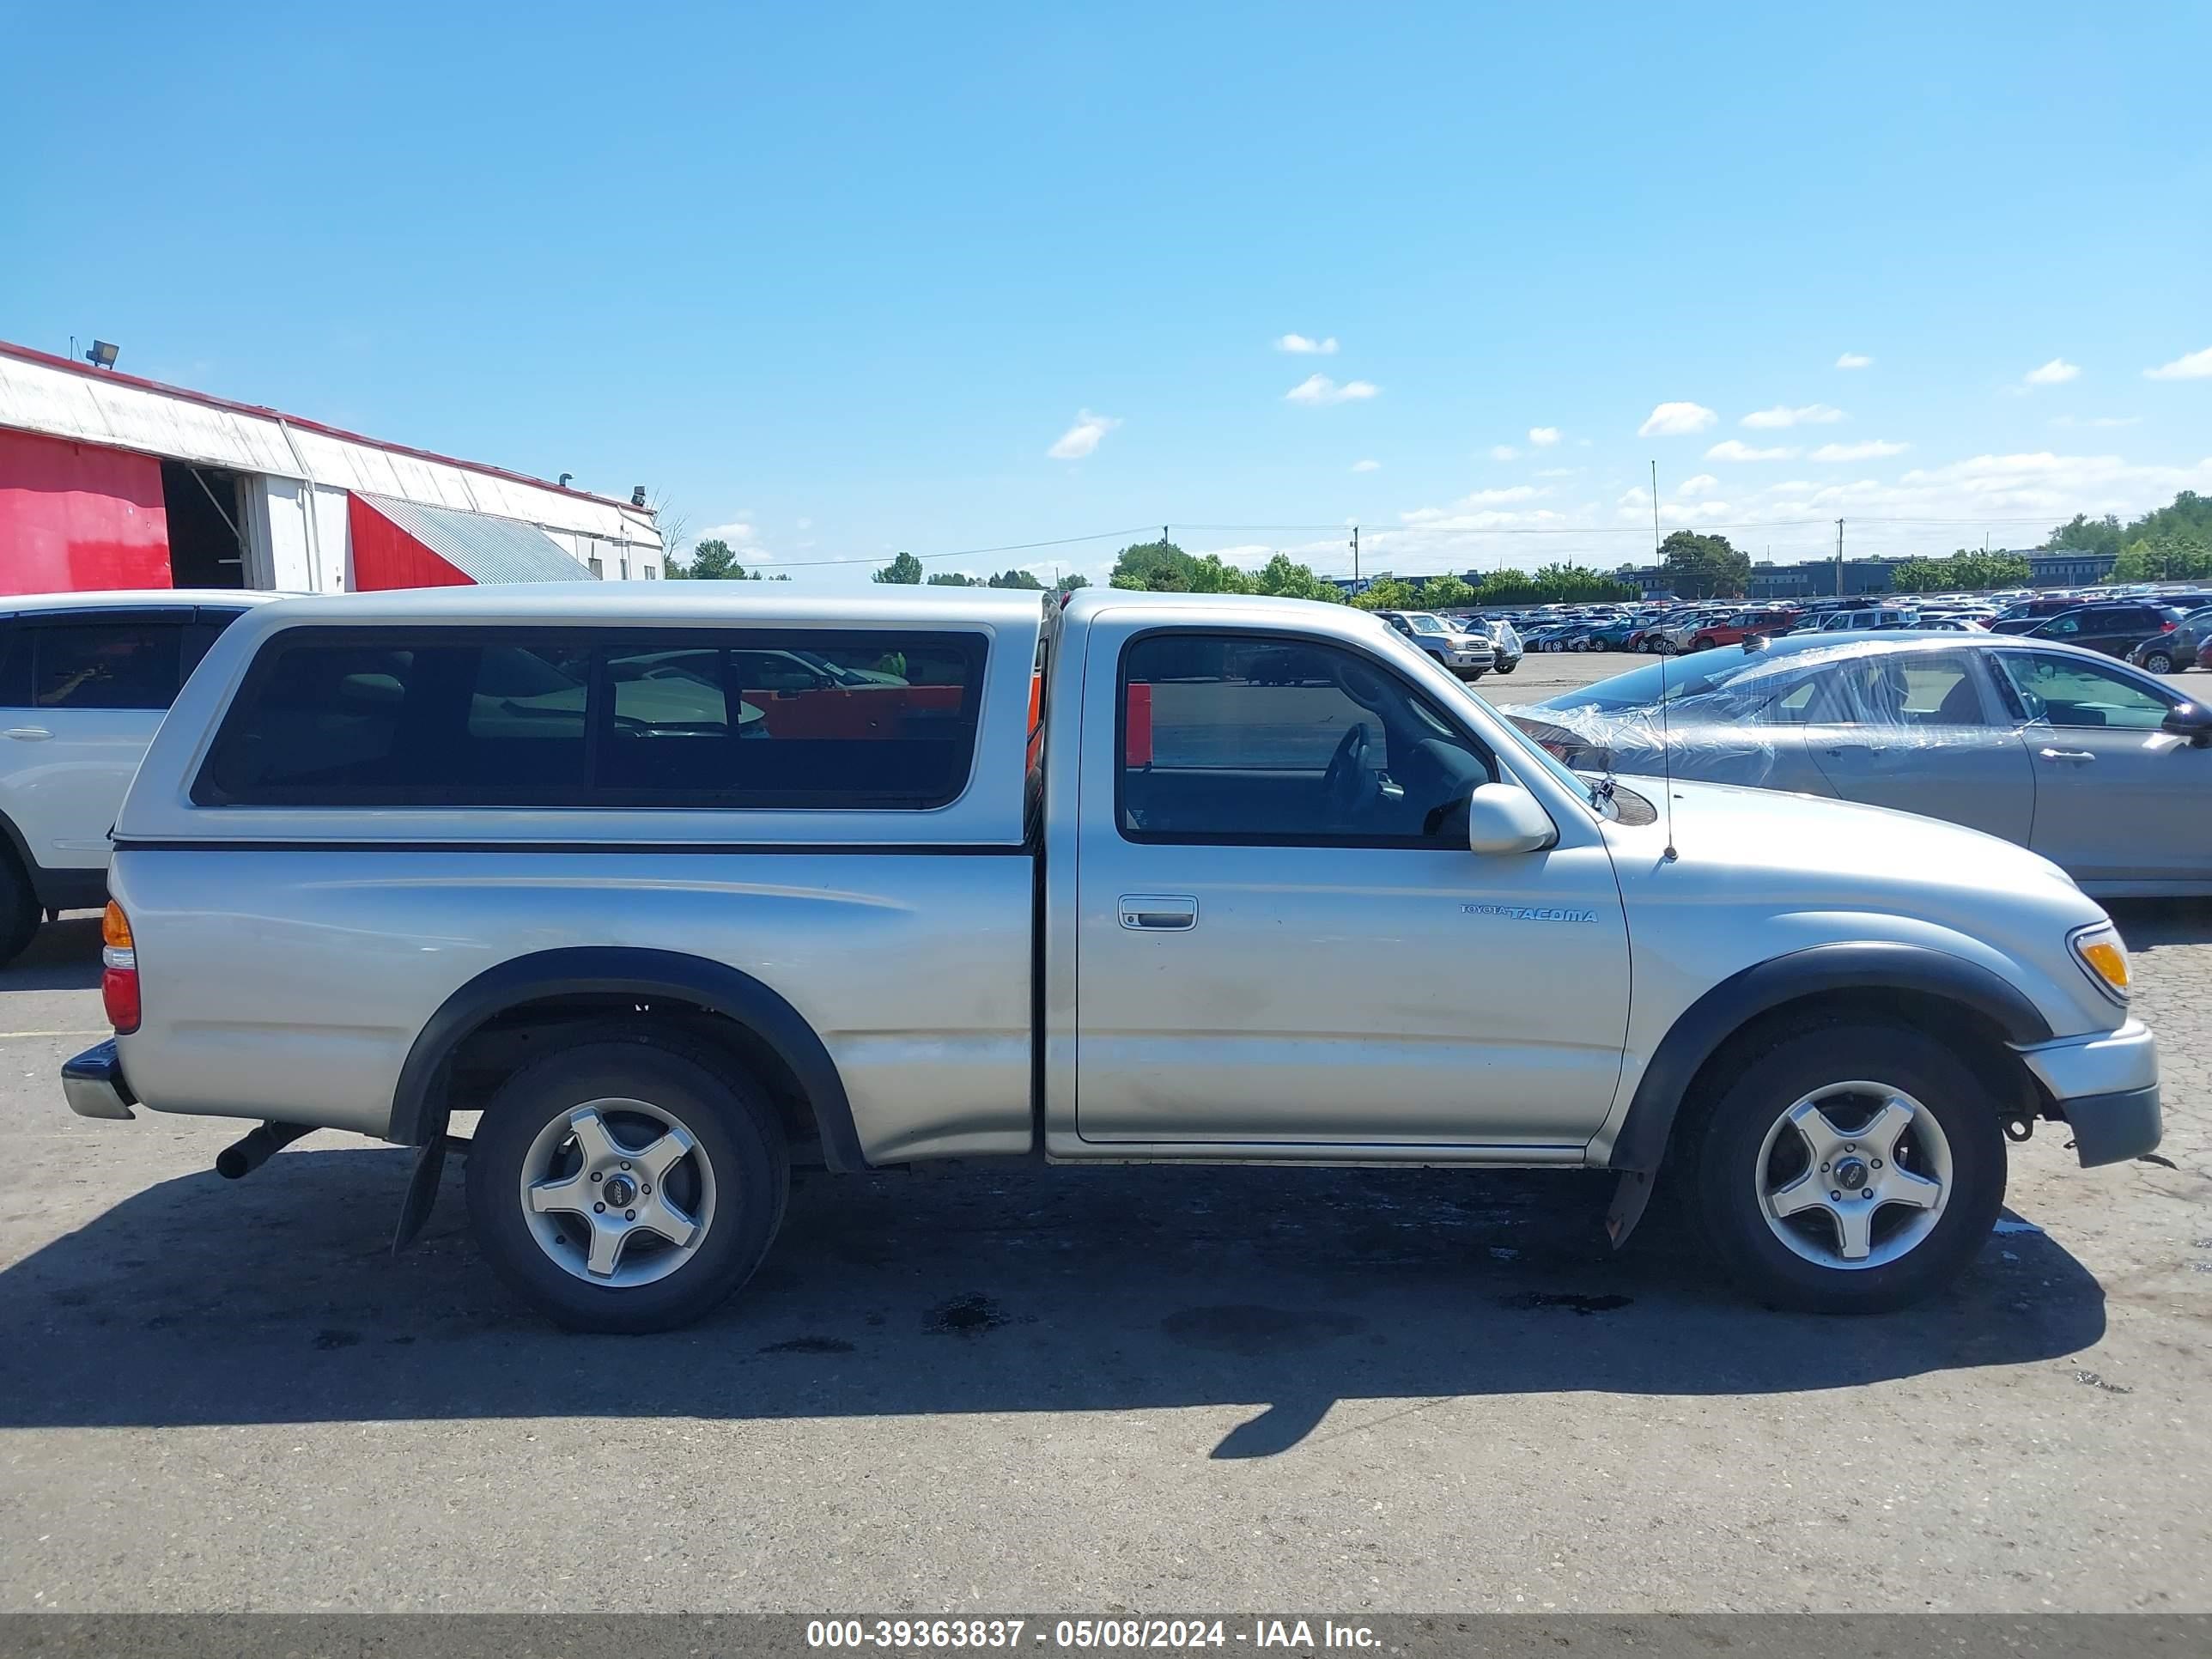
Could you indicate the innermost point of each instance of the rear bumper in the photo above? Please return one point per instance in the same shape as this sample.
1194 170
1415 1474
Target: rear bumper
93 1086
2106 1089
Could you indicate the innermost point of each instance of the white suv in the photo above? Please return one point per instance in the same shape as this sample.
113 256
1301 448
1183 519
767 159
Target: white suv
84 680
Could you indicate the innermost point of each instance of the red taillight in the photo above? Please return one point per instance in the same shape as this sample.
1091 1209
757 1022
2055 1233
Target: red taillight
119 971
2165 628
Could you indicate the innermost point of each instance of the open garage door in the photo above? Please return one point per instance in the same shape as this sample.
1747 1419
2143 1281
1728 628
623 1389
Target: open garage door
399 544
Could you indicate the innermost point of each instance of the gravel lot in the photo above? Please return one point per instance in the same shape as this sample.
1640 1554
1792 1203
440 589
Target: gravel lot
1150 1390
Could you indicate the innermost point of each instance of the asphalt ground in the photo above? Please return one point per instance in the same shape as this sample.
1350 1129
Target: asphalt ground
1149 1390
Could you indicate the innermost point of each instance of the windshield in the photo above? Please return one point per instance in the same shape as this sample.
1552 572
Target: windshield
1427 625
1639 688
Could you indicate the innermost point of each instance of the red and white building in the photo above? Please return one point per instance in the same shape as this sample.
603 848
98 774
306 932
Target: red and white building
107 481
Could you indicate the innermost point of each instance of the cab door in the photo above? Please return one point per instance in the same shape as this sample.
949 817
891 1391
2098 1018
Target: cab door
2117 797
1282 937
1926 733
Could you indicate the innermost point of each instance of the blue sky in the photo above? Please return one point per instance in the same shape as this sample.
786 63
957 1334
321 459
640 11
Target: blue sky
837 280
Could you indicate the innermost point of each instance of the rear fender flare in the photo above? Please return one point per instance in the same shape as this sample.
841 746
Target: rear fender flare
419 1108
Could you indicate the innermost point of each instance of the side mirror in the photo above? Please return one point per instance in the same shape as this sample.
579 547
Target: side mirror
2192 720
1504 817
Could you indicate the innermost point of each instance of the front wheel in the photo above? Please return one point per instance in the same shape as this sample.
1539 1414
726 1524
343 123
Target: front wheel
624 1186
2159 662
1850 1169
1507 667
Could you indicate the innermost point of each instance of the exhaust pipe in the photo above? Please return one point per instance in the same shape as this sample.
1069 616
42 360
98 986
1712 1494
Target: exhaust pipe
243 1156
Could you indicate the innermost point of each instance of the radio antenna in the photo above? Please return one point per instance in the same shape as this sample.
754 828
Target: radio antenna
1666 729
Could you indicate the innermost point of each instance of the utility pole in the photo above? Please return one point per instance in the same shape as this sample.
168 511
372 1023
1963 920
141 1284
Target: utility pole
1839 558
1163 535
1355 558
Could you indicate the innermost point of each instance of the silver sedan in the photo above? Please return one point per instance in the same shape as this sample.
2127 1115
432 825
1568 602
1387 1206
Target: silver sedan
2101 767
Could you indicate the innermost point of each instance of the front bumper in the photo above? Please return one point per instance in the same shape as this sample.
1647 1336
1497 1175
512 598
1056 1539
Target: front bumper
2106 1089
93 1083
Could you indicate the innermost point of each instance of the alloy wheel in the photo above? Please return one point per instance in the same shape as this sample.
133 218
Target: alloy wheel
1854 1175
617 1192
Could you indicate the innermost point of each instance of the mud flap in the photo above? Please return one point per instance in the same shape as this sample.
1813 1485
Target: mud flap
1629 1199
421 1191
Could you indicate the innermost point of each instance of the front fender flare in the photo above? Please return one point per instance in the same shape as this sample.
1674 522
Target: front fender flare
1743 996
418 1104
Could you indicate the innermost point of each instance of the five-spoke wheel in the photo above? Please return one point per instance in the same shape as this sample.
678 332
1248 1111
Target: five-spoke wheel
1848 1169
628 1181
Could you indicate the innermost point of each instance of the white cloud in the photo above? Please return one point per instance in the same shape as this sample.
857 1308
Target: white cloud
1703 484
2098 421
1483 509
1083 437
2057 372
1367 466
1676 420
1319 389
806 524
1558 472
1872 449
1781 415
1854 360
2196 365
738 534
1503 452
1543 436
1734 449
1304 346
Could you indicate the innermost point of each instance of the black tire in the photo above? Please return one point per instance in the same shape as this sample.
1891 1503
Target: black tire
1507 667
20 909
2159 662
736 1132
1721 1158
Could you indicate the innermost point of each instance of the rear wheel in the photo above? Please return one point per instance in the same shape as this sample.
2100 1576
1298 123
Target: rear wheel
1850 1170
625 1185
20 910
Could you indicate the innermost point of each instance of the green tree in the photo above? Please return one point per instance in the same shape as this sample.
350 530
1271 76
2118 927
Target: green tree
1446 593
1388 593
904 570
2086 535
1703 566
1283 578
1070 582
953 578
1020 578
1968 570
1554 584
2166 556
1153 567
712 561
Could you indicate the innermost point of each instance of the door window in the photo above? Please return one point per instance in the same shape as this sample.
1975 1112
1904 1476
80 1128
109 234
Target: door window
2063 691
104 665
1245 739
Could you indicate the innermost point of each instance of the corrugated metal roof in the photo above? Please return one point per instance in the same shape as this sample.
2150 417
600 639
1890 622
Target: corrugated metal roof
484 550
50 395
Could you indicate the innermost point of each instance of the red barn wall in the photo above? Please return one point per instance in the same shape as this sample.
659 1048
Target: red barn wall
76 517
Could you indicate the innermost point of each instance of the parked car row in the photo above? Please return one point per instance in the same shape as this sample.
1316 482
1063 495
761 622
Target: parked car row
2100 767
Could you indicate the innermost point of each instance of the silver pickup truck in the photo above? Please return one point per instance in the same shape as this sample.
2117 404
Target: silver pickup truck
679 886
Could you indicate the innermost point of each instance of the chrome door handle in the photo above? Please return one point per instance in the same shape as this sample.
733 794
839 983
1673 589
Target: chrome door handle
27 733
2077 756
1158 912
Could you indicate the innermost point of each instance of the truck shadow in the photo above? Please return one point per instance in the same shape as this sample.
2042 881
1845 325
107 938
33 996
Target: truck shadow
200 1301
